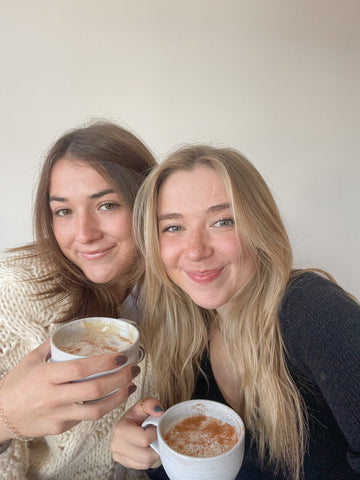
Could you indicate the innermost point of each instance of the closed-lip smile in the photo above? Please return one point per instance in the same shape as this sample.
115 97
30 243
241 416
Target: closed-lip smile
96 254
205 276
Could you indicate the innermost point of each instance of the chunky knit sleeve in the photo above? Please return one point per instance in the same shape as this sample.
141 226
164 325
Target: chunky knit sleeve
23 326
321 328
24 321
83 452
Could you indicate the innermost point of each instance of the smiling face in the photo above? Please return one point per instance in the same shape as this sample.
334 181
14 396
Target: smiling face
200 248
91 222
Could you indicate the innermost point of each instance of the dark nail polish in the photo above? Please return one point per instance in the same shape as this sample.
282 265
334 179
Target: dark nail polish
157 408
132 389
135 370
121 360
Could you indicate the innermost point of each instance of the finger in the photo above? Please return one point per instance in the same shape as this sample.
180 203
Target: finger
96 388
72 370
130 444
129 427
151 406
138 458
96 409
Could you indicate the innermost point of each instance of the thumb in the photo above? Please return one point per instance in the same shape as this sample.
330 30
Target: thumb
40 353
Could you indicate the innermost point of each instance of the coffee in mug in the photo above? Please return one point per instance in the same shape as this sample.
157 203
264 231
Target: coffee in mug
96 337
217 440
202 436
92 336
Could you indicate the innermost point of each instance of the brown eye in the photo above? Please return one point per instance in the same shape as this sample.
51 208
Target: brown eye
109 206
62 212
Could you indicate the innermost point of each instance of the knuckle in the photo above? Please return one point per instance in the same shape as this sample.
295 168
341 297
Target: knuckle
95 390
144 442
76 370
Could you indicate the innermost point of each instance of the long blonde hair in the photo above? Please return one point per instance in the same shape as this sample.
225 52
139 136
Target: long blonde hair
176 331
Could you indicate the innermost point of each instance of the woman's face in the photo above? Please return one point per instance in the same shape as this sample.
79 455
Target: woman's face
200 249
91 222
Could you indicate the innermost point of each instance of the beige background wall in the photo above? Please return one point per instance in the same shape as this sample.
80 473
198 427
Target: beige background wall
277 79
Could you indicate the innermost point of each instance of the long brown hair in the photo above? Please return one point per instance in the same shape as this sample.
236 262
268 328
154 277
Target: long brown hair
123 159
177 330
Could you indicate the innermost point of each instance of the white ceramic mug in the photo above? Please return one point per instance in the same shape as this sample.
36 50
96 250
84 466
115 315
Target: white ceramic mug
120 329
183 467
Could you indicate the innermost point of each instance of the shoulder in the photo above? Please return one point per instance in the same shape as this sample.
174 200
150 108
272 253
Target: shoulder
311 293
20 269
27 314
318 318
24 286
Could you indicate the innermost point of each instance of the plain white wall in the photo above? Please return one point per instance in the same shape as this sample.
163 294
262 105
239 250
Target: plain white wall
277 79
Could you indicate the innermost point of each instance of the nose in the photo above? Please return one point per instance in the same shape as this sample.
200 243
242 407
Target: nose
87 228
198 246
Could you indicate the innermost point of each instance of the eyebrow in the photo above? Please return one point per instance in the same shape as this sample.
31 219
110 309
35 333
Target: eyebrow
94 195
212 209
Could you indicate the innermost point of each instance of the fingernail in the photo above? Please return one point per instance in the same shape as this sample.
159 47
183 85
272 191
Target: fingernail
132 389
135 370
121 360
157 408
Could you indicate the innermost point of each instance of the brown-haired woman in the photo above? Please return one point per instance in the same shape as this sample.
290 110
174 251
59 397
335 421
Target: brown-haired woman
84 263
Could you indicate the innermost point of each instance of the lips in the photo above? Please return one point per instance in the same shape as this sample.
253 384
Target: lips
204 277
96 254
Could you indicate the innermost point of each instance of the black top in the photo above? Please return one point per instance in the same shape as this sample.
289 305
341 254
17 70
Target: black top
321 330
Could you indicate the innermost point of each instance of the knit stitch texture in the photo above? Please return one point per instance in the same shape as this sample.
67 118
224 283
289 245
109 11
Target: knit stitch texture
83 452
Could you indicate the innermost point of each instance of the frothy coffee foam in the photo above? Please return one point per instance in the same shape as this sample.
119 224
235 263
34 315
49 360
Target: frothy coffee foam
202 436
97 339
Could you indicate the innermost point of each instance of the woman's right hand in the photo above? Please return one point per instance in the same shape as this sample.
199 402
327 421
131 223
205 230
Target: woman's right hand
130 444
39 397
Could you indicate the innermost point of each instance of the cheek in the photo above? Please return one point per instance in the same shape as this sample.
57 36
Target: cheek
167 253
120 229
231 247
61 234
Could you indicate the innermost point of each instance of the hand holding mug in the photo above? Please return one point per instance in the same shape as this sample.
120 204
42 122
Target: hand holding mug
44 398
130 443
57 393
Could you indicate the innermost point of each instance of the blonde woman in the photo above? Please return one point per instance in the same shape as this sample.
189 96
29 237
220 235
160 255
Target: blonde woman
227 318
84 263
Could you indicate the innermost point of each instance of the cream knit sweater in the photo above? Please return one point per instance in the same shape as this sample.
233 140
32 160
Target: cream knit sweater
82 453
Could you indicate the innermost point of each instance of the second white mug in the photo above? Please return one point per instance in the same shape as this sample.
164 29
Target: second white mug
185 467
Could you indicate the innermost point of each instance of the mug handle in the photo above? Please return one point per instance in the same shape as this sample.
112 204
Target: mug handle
141 354
152 421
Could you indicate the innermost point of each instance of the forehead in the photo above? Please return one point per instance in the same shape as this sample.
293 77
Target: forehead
68 171
202 186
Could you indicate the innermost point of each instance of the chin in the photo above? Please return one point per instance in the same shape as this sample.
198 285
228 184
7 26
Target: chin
207 304
99 279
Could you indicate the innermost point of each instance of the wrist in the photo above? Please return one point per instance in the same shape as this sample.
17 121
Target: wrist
4 433
4 422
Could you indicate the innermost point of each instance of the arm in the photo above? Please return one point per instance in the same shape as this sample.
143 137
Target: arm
38 397
321 328
51 399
